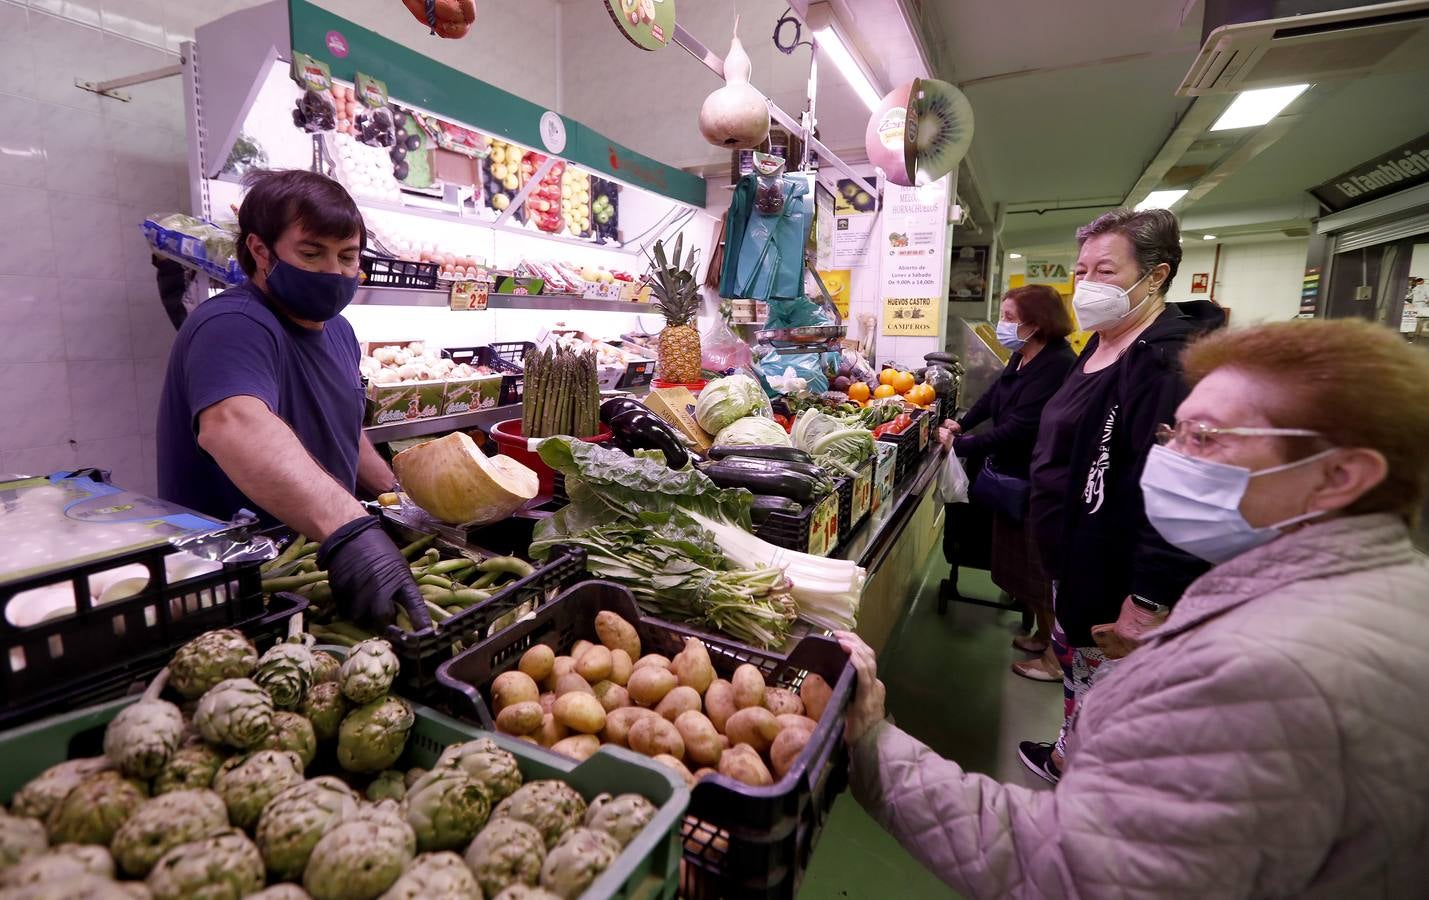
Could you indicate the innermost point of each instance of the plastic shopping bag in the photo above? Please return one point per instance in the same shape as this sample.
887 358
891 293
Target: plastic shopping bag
953 481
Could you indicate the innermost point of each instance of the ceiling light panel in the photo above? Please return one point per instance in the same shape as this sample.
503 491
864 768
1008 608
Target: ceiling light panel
1160 200
1254 108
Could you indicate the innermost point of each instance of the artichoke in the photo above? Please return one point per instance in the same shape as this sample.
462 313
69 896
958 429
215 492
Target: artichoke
507 852
70 883
281 892
446 808
210 658
235 712
438 876
58 865
578 857
295 820
413 774
368 671
294 733
247 786
285 672
225 865
372 737
551 807
145 734
45 791
192 767
325 667
526 892
164 822
362 856
484 760
20 838
388 785
325 707
622 818
93 811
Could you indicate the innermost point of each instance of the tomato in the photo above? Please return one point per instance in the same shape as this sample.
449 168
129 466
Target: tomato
901 422
880 430
784 422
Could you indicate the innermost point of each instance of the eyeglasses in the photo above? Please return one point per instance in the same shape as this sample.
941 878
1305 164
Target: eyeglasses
1197 434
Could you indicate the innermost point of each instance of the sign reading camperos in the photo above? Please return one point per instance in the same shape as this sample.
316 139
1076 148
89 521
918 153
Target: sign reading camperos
1405 166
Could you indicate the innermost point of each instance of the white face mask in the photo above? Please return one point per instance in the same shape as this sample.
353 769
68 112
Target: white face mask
1195 503
1007 335
1099 304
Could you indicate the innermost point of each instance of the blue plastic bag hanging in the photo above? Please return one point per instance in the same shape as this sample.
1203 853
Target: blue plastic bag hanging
766 260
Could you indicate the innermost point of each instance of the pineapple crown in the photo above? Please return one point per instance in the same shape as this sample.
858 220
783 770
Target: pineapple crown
674 286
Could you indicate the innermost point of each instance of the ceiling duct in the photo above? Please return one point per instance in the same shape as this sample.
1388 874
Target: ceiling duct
1304 43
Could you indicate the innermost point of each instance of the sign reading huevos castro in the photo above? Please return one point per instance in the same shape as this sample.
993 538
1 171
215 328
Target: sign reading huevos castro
910 316
913 258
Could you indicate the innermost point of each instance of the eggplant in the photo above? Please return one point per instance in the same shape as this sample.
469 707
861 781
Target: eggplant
642 429
764 506
617 405
790 454
779 484
813 470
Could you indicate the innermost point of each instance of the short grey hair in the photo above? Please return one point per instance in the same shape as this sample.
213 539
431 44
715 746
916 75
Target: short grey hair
1155 237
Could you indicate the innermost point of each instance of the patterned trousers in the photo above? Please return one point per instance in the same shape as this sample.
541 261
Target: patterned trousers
1082 667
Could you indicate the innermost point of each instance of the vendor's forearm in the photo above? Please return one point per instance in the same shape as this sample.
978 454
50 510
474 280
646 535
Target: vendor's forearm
374 476
267 462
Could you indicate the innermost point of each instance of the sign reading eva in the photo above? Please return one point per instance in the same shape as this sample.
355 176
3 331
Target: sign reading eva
1405 166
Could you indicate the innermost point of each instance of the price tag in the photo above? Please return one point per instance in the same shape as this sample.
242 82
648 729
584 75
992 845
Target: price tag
824 527
469 295
923 430
862 491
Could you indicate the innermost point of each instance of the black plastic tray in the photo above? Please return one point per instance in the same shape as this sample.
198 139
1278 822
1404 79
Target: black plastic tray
740 841
512 375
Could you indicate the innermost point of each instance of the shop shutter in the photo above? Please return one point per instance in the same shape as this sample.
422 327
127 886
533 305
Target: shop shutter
1358 238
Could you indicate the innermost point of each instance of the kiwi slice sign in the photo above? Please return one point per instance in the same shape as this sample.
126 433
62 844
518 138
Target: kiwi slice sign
648 24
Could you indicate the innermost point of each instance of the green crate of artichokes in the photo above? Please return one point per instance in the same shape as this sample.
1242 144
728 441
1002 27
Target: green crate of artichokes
296 774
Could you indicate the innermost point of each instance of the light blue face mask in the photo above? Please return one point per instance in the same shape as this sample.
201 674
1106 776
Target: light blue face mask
1007 335
1195 503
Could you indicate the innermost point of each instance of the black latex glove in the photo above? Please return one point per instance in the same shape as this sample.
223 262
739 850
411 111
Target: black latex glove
369 575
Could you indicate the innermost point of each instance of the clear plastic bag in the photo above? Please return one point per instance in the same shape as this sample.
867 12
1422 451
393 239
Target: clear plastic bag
953 481
721 350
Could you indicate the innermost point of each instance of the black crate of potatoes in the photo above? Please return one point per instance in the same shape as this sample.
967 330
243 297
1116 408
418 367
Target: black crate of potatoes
739 840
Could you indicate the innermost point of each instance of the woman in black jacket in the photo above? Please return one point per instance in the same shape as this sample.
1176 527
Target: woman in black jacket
1087 515
1034 325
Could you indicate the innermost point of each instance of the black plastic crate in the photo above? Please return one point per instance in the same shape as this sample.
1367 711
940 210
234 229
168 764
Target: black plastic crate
384 271
911 444
512 374
739 841
513 352
801 531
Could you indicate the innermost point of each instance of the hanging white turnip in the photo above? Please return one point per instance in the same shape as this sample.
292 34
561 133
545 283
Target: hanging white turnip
736 116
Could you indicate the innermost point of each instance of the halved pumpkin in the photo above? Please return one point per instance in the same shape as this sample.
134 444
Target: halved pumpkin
454 481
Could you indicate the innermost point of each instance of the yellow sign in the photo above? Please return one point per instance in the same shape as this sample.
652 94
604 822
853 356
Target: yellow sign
837 281
911 316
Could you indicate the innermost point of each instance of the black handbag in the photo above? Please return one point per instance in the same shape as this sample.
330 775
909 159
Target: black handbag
1005 494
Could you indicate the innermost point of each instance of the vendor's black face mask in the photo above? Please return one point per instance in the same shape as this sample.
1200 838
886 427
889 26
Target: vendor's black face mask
314 296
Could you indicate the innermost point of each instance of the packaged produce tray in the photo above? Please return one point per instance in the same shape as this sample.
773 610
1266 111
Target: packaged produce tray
191 250
648 867
815 530
739 840
385 271
911 444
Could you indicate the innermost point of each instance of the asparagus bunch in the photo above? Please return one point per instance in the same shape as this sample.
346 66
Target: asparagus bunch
561 394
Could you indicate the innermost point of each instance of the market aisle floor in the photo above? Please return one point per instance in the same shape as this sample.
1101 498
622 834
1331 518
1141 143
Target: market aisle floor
948 684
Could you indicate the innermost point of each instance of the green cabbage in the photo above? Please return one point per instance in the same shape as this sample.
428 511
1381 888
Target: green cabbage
726 399
752 431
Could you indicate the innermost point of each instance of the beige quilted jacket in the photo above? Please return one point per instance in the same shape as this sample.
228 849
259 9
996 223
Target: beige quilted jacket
1270 740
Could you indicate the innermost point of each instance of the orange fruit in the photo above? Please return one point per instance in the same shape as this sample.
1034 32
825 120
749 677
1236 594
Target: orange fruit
903 382
884 390
925 393
858 391
886 376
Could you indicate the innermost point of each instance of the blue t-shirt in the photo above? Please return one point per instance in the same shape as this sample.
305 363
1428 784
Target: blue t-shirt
236 345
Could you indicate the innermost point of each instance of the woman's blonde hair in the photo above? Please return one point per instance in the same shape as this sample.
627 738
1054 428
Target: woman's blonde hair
1356 383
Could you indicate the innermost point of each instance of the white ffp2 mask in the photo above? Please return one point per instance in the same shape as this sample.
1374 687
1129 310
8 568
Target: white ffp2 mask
1099 304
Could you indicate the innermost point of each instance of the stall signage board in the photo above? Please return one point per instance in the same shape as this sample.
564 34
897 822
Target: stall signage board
648 24
1043 271
1403 167
914 258
910 316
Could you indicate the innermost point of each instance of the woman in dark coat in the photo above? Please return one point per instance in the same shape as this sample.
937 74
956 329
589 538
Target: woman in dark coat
1034 325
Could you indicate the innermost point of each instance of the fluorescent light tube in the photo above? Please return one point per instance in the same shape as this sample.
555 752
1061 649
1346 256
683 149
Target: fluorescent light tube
829 40
1252 108
1014 256
1208 237
1160 200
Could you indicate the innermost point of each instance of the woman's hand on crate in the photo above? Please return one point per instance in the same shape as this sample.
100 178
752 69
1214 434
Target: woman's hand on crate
866 710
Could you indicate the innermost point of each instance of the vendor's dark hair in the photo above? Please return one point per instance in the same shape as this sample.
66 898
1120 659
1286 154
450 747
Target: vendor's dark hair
1040 306
279 199
1155 237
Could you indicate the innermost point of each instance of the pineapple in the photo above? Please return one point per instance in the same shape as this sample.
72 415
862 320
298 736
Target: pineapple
677 296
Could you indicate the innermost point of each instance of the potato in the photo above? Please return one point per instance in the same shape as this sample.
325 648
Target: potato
528 738
550 731
579 648
679 700
748 687
611 695
618 723
620 667
755 726
653 735
788 720
648 686
787 747
692 665
702 746
578 746
572 682
678 767
547 699
742 763
719 703
563 665
815 692
538 662
520 718
782 701
513 687
653 659
616 633
594 664
705 771
579 712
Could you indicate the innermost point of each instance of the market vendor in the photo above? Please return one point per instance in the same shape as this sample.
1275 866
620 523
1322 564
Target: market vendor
263 403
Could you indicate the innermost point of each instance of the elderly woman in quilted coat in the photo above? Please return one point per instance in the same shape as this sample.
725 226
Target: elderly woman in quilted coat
1271 737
